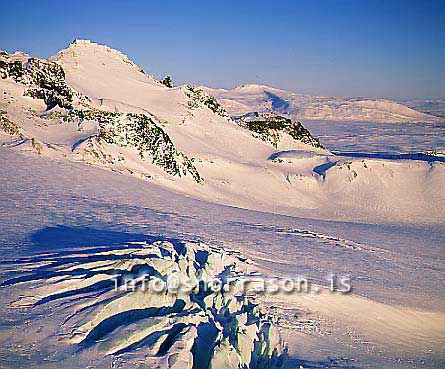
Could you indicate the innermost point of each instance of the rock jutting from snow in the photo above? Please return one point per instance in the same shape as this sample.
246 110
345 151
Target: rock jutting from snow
46 81
198 98
9 127
139 131
168 82
270 127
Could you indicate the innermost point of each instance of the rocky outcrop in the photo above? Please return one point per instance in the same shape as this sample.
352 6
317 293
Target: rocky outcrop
270 127
198 98
46 80
168 82
139 131
9 127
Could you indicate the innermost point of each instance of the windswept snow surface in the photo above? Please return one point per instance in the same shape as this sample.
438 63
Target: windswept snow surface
59 217
173 181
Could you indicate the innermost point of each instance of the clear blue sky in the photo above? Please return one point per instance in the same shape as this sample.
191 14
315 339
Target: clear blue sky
390 48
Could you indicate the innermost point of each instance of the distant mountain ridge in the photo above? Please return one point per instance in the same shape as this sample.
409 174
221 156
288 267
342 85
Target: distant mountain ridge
297 106
434 107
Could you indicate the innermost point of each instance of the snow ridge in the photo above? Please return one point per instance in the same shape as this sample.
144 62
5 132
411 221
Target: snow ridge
251 97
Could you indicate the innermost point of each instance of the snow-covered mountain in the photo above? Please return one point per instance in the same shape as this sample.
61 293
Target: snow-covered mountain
251 97
434 107
90 103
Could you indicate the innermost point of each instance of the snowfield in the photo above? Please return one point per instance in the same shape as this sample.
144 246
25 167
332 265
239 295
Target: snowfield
106 171
58 215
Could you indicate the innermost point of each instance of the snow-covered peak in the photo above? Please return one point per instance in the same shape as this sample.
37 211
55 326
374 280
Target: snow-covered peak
250 86
88 64
254 88
87 48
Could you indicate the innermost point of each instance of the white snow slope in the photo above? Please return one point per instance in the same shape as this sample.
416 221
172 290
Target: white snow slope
66 228
236 167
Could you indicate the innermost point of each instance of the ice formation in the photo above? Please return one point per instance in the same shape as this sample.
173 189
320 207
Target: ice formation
193 326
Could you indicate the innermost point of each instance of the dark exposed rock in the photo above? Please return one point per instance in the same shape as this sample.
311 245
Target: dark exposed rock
269 127
141 132
13 69
46 80
198 98
9 127
167 81
50 97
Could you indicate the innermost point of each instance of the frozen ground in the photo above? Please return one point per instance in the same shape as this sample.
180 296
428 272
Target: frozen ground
366 137
47 206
